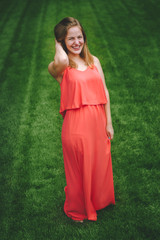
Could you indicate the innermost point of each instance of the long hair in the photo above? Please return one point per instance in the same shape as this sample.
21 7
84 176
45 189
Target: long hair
60 32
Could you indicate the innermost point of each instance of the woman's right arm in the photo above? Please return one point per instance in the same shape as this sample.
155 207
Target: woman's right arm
61 61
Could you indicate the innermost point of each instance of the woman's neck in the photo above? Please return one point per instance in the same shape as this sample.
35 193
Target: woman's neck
77 59
74 57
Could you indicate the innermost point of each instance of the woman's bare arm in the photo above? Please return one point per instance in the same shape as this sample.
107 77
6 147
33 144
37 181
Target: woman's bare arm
109 128
61 61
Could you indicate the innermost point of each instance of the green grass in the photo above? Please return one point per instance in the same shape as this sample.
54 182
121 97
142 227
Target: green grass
125 36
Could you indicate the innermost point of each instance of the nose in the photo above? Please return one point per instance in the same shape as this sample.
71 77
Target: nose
77 41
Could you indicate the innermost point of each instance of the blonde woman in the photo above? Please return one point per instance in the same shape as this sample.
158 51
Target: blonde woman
87 125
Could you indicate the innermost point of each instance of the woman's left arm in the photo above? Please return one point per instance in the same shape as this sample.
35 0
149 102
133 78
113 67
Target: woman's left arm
109 127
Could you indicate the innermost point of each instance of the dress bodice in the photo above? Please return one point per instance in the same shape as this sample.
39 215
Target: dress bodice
80 88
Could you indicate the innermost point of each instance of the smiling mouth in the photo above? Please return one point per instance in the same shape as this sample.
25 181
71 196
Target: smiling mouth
76 48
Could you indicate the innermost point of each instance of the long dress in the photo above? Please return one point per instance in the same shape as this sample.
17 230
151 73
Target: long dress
86 147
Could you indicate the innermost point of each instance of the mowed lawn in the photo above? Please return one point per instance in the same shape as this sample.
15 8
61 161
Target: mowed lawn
125 36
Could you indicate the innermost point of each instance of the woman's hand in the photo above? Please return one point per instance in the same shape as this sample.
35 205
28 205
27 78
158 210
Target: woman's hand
59 49
110 131
60 55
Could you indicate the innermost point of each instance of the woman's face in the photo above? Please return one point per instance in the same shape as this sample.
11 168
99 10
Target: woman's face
74 40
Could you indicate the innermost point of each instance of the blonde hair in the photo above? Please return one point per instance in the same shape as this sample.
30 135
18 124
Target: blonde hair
60 32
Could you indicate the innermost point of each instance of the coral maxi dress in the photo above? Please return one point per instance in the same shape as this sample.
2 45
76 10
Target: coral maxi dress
86 147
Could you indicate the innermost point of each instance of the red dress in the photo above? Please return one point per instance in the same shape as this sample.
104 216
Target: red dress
86 147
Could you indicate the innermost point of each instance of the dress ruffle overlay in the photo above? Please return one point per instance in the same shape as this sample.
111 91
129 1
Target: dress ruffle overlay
86 147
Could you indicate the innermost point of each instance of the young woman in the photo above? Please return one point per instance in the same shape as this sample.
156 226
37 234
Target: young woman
87 125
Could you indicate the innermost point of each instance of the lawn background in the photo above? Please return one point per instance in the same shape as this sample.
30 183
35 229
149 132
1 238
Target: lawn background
125 36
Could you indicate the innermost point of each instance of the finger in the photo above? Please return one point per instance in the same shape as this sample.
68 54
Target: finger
109 135
112 136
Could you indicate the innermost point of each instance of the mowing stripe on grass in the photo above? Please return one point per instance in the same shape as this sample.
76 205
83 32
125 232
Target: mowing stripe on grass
24 120
5 14
20 167
9 31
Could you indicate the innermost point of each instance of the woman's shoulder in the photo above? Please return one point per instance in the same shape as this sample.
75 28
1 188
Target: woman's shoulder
95 59
96 62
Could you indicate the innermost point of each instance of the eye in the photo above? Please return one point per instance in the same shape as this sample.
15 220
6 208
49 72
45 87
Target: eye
71 38
79 37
